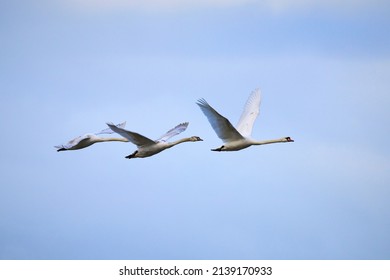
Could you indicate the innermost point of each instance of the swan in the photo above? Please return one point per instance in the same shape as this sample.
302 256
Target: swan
147 147
237 138
90 139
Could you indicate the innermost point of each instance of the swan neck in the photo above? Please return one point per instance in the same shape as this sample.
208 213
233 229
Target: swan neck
265 142
109 139
171 144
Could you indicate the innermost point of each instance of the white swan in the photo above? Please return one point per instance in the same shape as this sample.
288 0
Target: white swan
90 139
237 138
148 147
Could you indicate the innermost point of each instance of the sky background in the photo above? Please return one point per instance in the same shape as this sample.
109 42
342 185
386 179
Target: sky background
68 67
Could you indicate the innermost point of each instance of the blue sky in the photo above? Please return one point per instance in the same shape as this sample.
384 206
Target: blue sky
68 67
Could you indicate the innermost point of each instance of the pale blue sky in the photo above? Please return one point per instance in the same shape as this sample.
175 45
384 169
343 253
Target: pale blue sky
68 67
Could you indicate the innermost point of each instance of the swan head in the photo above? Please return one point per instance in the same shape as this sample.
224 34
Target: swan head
195 139
288 139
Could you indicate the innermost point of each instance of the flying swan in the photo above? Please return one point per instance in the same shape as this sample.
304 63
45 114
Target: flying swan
147 147
90 139
237 138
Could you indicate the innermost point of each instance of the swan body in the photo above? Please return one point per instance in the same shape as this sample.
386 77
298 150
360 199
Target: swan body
147 147
239 137
89 139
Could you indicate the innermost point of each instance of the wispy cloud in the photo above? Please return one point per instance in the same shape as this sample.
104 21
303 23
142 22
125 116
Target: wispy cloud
331 5
278 6
155 5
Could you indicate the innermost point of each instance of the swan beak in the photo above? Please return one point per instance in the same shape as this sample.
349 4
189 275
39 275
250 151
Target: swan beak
289 139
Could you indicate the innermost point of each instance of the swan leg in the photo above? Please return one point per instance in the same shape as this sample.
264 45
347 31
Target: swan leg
132 155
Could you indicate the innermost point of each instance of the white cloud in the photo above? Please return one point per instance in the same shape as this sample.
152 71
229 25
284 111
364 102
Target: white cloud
155 5
278 6
334 5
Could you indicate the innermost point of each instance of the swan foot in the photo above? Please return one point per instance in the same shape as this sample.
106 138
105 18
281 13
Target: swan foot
132 155
218 149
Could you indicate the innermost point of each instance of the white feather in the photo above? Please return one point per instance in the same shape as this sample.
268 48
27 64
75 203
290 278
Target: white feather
237 138
135 138
174 131
221 125
146 146
250 113
89 139
110 131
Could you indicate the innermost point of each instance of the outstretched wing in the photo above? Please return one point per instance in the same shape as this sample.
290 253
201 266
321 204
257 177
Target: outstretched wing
221 125
74 142
250 113
110 131
78 142
133 137
174 131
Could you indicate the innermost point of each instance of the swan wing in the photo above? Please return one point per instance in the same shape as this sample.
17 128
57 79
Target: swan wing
78 140
110 131
221 125
250 113
74 142
174 131
133 137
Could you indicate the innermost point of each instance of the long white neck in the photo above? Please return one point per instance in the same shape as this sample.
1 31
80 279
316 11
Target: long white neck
109 139
265 142
171 144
